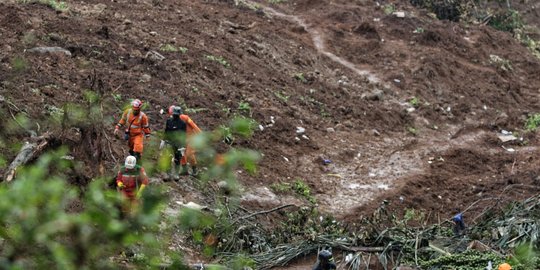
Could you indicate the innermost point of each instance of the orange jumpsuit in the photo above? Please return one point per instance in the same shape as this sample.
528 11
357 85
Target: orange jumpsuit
138 127
191 129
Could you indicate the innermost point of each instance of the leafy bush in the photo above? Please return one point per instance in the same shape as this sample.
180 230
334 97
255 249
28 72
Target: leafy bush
506 20
533 122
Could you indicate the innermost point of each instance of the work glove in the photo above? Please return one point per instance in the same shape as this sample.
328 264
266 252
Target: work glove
162 145
120 185
116 131
139 193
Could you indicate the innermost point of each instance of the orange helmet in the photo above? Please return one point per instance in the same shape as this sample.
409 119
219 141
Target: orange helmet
505 266
137 104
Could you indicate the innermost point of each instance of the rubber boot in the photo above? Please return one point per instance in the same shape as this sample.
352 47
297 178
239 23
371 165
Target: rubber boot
138 156
176 172
184 170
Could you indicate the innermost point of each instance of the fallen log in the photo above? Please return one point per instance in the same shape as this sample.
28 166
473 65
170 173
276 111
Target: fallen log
28 152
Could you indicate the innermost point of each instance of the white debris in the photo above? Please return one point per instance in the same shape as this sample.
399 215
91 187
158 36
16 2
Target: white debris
305 137
349 258
505 132
411 109
397 80
485 107
383 186
300 130
330 130
399 14
439 196
296 139
261 128
506 138
192 205
285 158
272 119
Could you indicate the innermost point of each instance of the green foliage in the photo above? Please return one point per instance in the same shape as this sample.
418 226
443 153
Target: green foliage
389 9
172 48
298 186
276 1
526 256
282 95
300 77
412 130
302 189
414 101
244 106
419 30
39 229
54 4
468 260
506 20
218 59
281 187
532 122
19 64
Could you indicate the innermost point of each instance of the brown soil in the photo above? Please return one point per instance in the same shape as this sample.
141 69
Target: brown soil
360 68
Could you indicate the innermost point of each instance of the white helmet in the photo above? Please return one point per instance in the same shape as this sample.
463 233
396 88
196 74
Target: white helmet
130 163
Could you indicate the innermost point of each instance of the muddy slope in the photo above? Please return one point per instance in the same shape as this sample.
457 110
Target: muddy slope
345 71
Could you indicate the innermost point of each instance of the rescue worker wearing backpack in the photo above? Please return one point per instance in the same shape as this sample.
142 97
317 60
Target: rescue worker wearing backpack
175 135
136 128
325 261
131 181
189 154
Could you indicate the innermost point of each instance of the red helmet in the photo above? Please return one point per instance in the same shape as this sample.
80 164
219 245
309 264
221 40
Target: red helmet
170 110
137 104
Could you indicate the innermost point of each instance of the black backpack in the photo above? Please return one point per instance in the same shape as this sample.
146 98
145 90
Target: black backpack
175 131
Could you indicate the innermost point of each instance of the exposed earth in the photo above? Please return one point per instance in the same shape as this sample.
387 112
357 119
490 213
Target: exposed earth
406 110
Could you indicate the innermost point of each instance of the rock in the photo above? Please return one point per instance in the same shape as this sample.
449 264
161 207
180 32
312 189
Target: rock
145 78
348 123
506 138
50 50
330 130
128 22
153 33
376 132
55 37
2 98
377 94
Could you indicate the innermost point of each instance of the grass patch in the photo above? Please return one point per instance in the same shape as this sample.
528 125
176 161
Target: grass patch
282 95
19 64
54 4
218 59
300 77
172 48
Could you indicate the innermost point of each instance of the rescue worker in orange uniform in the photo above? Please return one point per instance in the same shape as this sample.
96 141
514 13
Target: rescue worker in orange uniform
136 128
131 181
189 154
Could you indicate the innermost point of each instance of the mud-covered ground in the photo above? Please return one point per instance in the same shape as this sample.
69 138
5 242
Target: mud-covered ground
408 110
